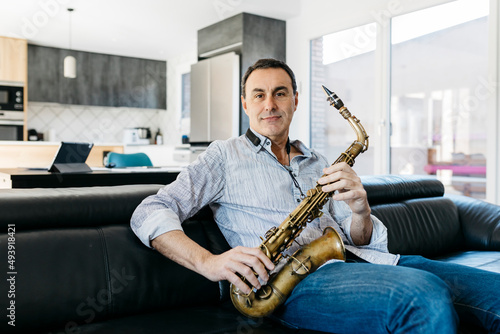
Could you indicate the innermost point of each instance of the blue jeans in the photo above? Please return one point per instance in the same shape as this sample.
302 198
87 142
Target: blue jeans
416 296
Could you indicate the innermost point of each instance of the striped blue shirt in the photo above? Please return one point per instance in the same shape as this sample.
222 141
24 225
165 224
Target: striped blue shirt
249 192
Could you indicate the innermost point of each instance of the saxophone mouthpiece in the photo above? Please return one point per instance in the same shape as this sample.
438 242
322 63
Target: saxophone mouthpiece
327 91
333 98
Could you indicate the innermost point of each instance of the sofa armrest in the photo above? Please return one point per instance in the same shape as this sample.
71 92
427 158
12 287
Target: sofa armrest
480 222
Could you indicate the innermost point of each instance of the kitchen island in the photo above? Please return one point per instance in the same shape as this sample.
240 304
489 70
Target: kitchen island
24 164
36 178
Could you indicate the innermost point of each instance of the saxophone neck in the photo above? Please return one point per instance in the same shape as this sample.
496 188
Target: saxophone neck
362 137
358 146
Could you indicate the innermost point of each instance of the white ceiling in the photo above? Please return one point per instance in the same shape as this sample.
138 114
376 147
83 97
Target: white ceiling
153 29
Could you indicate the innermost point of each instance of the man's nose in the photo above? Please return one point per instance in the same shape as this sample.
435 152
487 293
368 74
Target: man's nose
270 103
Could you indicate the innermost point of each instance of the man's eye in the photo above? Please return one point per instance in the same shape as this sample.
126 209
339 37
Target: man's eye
259 96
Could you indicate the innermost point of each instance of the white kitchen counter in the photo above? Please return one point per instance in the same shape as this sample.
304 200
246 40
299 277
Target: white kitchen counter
27 154
46 143
38 154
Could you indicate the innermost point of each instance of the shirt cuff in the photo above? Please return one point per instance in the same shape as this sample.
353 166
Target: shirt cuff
156 224
379 235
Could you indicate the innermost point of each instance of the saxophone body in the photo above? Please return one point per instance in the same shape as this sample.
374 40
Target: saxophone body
262 302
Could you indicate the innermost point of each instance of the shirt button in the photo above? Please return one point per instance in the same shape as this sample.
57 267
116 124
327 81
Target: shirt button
298 200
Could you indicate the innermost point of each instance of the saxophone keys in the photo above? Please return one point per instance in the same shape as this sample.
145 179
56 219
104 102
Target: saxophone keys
265 292
266 250
244 296
311 192
301 267
270 232
241 293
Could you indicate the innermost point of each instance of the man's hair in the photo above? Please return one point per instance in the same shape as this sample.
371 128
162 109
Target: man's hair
267 63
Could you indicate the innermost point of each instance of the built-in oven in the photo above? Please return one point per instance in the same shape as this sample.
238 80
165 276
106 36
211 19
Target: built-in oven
11 96
11 132
11 111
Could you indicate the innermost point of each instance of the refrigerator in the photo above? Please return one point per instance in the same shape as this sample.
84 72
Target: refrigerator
215 99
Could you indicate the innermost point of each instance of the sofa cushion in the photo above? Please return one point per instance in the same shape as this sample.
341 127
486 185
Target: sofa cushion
150 281
486 260
201 319
87 275
58 273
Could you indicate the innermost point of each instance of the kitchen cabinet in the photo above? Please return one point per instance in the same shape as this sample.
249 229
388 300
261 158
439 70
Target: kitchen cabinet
250 36
44 74
13 59
102 80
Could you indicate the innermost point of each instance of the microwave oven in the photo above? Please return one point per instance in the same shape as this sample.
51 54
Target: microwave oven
11 111
11 97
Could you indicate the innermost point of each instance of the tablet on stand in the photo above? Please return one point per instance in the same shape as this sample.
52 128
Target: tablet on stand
71 157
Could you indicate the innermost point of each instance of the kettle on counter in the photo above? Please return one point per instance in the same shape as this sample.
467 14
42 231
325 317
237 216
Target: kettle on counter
137 136
144 133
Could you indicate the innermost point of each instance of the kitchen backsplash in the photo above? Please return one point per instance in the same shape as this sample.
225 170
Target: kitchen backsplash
59 122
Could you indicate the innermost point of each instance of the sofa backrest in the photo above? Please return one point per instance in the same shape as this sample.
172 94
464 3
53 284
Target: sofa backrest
418 218
77 261
383 189
45 208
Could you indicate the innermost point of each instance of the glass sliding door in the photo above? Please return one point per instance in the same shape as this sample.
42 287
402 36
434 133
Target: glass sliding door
345 63
439 95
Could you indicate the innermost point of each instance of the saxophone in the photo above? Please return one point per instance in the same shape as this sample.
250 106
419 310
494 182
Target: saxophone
262 302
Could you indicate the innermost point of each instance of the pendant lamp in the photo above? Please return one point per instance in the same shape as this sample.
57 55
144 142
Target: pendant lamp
70 61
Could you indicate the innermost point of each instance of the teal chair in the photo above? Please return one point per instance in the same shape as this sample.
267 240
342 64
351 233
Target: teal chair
128 160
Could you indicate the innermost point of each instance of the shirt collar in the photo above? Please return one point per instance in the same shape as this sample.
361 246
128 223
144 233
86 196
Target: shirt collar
259 142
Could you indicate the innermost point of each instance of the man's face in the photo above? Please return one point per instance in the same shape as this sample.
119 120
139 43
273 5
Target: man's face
270 102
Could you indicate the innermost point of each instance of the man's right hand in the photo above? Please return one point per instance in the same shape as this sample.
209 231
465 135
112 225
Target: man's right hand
243 261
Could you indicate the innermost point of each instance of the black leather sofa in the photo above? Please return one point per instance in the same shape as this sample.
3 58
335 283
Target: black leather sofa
76 267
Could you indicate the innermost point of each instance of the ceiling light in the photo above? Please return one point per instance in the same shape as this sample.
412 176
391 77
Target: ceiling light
70 61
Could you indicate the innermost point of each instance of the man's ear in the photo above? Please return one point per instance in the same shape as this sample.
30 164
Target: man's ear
296 100
244 104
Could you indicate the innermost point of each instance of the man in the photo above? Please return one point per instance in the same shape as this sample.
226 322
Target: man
254 181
